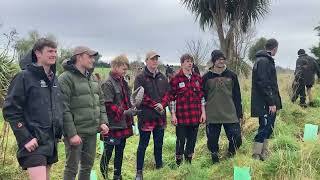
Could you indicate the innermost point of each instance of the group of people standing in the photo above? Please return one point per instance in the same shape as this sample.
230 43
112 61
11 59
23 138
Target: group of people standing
42 108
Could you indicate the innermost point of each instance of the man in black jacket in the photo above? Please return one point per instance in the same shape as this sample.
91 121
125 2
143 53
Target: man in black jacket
34 110
265 97
311 68
298 86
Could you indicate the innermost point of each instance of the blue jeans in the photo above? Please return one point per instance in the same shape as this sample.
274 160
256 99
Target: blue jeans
266 127
158 134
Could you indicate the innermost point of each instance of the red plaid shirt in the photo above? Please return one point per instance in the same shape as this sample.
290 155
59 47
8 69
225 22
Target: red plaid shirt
188 94
153 83
116 112
150 124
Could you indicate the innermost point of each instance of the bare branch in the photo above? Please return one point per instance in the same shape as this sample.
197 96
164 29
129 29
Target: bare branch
199 51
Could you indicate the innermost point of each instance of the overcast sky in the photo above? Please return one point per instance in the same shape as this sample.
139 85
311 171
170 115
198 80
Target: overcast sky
133 27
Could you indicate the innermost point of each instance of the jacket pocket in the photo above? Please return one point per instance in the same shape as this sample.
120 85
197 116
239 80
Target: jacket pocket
182 95
39 106
163 86
196 91
118 125
117 97
228 86
43 134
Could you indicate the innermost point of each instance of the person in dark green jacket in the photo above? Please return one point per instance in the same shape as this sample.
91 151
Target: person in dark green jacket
84 113
223 106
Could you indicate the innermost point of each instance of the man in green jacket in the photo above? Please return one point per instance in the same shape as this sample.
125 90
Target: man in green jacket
223 106
84 113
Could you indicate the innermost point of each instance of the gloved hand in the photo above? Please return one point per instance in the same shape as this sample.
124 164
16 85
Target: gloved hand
131 112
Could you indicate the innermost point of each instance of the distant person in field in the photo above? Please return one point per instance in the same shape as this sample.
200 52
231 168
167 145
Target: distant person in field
299 85
84 113
120 115
265 97
223 106
33 109
153 117
195 69
169 72
310 70
187 108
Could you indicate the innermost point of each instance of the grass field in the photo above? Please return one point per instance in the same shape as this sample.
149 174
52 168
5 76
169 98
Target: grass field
104 72
291 158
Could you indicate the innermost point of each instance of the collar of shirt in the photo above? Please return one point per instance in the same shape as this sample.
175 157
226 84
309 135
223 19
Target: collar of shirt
153 73
116 76
189 75
50 75
218 72
87 73
186 75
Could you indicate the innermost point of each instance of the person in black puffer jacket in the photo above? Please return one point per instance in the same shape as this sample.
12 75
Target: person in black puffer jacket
34 110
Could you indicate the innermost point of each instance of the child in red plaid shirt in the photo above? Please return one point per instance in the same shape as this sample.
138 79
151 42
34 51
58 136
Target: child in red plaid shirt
120 114
187 108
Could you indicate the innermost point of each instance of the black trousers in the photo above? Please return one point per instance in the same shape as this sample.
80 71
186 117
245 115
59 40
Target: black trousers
299 90
106 156
233 132
186 139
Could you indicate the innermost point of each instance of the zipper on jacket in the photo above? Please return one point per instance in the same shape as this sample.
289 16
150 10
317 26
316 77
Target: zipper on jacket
157 87
92 96
51 104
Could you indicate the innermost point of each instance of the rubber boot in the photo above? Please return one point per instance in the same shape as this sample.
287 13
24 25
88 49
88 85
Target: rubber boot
215 158
265 152
179 159
139 175
303 102
188 158
257 150
115 177
310 96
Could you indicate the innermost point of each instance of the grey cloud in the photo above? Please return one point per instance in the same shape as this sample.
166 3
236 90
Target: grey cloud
134 27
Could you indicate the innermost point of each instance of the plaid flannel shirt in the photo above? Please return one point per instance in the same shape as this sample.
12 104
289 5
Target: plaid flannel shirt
186 98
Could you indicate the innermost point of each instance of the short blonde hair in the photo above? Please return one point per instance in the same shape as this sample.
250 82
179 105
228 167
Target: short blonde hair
119 61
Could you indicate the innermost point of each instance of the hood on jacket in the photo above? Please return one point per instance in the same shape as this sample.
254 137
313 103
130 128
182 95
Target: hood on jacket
29 59
303 55
68 65
263 53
